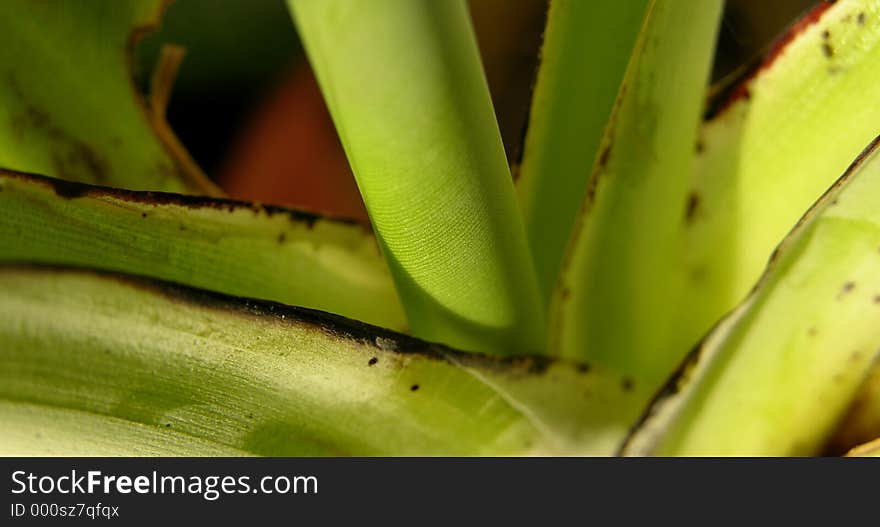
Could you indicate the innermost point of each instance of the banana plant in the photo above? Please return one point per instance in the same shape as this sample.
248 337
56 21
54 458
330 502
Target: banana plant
670 268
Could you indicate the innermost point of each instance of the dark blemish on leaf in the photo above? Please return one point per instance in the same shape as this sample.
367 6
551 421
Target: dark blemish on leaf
827 50
627 384
182 227
167 425
372 361
699 147
249 415
592 185
566 292
812 332
846 289
143 214
414 388
693 202
855 356
583 368
67 189
606 154
282 238
826 34
860 20
698 274
877 299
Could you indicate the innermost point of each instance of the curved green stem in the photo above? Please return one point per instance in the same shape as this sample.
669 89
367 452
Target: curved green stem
406 90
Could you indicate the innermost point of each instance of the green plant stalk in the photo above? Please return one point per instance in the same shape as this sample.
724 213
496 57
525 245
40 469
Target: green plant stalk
405 87
115 364
587 46
777 375
231 247
787 132
109 135
620 284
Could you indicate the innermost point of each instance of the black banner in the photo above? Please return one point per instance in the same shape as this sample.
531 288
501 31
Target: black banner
417 491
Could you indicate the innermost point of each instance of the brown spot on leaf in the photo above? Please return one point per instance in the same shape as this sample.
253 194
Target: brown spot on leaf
414 388
592 185
627 384
372 361
605 156
693 203
846 289
827 50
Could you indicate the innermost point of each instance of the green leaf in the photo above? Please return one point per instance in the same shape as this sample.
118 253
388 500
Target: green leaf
228 246
777 375
68 106
619 287
777 144
587 46
107 364
406 90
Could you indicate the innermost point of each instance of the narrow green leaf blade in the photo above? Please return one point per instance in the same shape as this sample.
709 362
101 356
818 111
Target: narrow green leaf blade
142 367
232 247
404 84
68 105
620 283
587 46
777 375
